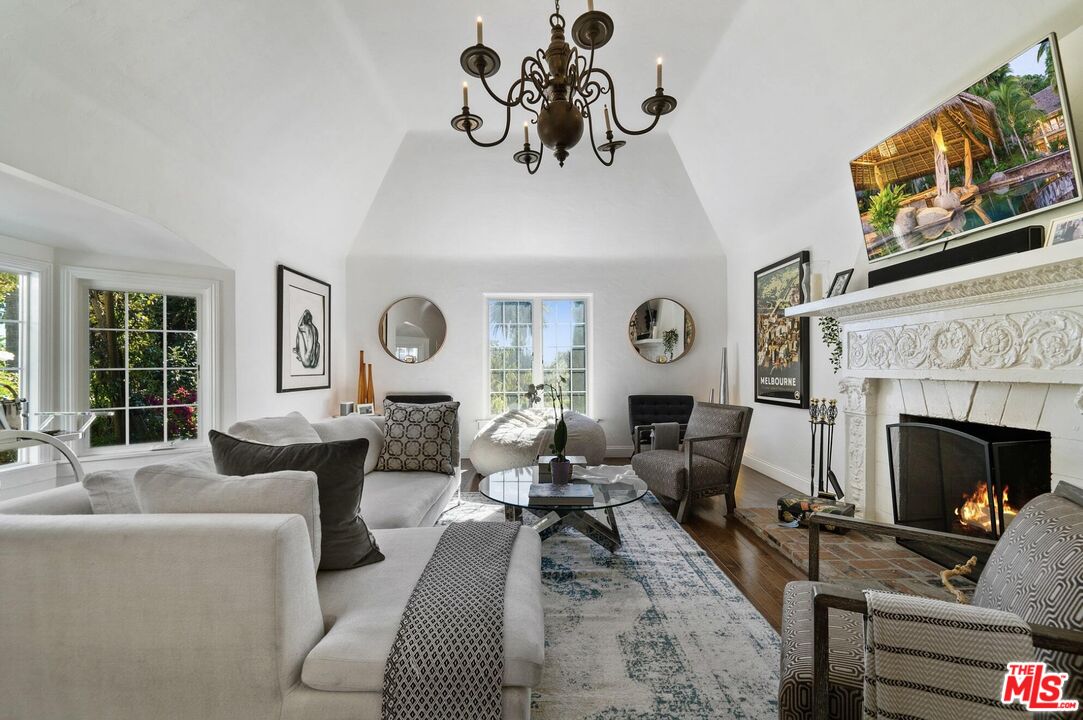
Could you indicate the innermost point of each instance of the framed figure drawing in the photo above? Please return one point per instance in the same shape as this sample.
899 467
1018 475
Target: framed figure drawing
304 340
781 343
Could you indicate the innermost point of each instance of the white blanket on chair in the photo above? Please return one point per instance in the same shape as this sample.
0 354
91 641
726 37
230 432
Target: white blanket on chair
933 659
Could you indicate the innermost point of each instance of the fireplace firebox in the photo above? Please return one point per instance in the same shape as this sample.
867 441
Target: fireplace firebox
964 478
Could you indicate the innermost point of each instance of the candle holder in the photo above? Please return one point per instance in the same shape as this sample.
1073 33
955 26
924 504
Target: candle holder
659 103
466 121
480 61
592 30
610 145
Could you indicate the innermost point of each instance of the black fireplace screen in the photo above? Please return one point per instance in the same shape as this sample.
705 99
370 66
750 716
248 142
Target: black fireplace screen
964 478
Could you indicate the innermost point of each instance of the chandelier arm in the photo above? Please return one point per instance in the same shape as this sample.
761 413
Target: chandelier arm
523 75
616 119
541 154
594 146
480 143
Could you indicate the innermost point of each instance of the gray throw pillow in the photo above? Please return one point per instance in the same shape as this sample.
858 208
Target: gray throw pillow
285 430
346 541
191 489
112 492
418 438
351 427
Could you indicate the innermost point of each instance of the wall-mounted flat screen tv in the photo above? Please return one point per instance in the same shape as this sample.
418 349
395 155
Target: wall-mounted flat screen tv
1001 149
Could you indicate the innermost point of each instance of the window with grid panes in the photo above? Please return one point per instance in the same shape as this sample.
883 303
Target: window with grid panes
536 340
144 366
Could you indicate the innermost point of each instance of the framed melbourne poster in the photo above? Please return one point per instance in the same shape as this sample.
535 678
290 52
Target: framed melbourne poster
781 343
304 338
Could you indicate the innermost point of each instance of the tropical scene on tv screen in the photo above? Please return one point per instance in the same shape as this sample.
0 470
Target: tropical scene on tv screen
998 150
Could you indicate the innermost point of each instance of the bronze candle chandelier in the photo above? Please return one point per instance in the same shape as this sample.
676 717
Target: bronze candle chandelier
559 87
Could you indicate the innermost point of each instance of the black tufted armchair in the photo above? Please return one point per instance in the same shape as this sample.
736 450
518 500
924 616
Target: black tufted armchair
646 410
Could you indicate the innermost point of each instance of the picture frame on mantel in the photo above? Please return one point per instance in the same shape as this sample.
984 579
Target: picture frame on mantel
781 344
304 337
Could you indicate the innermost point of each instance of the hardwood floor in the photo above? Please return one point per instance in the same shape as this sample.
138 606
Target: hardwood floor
758 570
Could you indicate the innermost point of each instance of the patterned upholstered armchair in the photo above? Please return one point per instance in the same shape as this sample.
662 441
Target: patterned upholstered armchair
708 463
1035 571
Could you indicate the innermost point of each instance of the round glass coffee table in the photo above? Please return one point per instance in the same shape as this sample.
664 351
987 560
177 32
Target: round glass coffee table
511 488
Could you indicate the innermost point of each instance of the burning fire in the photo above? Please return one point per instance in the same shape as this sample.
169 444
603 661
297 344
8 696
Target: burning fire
975 509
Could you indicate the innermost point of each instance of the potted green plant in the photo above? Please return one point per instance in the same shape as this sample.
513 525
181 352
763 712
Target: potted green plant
669 342
560 466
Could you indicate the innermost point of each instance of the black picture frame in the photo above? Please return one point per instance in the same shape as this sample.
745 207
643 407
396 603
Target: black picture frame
293 287
843 276
780 377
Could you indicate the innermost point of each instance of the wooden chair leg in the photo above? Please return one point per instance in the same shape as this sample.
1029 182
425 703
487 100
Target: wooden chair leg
682 510
731 502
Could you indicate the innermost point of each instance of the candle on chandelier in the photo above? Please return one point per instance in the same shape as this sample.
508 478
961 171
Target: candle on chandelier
466 94
590 5
479 30
608 127
526 132
659 72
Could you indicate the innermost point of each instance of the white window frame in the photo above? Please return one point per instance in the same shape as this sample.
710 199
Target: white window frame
38 350
75 287
538 368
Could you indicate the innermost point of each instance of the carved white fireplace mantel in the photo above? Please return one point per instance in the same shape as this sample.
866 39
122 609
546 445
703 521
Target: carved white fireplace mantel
998 342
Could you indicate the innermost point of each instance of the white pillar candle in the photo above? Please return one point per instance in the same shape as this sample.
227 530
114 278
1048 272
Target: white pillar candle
526 133
466 95
816 287
608 127
590 5
659 72
479 30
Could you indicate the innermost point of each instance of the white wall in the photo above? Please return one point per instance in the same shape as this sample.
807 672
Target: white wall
796 90
259 137
453 222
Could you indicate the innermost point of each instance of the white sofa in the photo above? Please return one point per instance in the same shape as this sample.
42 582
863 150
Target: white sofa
223 616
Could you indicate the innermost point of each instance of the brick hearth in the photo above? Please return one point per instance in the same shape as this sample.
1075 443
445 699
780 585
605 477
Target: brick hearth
855 558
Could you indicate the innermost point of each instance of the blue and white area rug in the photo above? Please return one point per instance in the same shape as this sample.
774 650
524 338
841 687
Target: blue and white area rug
653 631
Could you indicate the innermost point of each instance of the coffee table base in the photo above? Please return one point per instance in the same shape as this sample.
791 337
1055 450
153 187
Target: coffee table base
608 536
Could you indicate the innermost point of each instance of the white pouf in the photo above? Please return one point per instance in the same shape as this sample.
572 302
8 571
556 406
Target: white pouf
516 438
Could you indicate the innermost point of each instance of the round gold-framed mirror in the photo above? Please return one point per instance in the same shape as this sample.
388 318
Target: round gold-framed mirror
412 330
662 330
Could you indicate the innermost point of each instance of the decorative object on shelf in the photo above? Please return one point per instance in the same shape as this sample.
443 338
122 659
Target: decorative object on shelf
1006 143
781 343
412 330
831 332
1066 229
365 409
560 87
662 330
304 339
366 389
840 283
346 408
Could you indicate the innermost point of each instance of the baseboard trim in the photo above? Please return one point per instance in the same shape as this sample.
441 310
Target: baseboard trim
775 472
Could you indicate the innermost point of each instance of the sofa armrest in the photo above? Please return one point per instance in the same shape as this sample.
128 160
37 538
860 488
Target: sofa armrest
140 616
815 520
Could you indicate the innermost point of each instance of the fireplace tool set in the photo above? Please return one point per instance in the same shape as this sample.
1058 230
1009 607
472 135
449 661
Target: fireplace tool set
822 414
825 491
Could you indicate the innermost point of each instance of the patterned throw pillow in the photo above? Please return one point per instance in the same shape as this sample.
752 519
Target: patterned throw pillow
418 438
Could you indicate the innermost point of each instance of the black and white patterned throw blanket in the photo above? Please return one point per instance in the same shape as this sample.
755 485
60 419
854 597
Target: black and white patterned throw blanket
933 659
447 661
